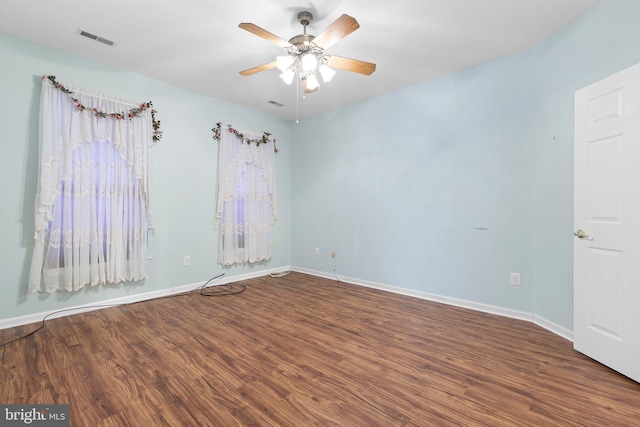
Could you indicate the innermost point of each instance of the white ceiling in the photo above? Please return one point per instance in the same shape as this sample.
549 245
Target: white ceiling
196 44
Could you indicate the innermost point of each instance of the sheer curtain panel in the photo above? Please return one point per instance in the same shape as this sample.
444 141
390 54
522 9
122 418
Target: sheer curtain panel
246 205
92 206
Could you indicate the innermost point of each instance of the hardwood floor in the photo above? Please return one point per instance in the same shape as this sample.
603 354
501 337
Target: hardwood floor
305 351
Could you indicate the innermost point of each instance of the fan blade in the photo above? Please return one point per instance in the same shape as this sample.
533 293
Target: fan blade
339 29
254 70
261 32
305 89
349 64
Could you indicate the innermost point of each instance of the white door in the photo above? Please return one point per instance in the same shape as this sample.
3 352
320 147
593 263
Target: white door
607 222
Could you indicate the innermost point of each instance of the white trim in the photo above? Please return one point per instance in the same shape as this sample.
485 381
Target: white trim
471 305
552 327
98 305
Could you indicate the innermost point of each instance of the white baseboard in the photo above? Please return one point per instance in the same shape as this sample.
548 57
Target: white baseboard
501 311
98 305
486 308
552 327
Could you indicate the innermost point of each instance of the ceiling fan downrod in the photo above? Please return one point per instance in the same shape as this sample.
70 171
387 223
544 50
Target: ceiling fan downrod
305 18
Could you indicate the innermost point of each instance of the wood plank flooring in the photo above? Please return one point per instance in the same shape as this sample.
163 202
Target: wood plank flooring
305 351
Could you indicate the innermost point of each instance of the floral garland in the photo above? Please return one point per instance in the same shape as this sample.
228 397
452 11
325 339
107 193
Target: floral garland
266 136
134 112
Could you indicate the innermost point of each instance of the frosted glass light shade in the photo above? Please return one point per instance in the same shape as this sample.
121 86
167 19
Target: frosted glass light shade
309 62
326 73
288 76
312 82
284 62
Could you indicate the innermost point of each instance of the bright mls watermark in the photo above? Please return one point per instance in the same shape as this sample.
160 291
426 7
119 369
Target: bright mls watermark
35 415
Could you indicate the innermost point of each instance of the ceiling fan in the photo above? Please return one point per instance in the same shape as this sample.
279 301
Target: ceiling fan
305 53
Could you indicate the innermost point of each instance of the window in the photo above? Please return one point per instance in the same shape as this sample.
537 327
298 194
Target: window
92 205
246 203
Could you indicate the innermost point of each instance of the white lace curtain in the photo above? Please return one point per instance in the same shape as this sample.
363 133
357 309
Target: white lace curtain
246 203
92 206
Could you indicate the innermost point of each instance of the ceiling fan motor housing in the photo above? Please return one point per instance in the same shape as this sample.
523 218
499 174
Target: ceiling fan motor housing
302 41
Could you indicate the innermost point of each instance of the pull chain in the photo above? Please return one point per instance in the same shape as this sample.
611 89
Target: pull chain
298 82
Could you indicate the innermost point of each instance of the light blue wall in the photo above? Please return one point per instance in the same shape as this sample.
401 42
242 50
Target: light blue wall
426 188
447 186
183 175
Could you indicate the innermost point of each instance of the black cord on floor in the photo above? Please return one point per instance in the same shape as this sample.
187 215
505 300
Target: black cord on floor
56 312
221 290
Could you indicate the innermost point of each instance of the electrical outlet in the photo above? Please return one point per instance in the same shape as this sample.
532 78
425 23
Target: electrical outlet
187 260
515 279
316 251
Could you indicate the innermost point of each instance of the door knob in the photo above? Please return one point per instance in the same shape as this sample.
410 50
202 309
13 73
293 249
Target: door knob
581 234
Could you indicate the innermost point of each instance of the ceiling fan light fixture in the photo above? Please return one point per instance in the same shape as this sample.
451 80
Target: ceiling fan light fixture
326 73
308 62
312 82
288 75
284 62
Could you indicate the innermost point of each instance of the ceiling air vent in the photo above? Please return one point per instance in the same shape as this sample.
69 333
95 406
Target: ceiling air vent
276 103
96 38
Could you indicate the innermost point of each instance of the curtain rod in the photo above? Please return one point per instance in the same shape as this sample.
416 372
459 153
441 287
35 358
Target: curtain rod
51 80
103 97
